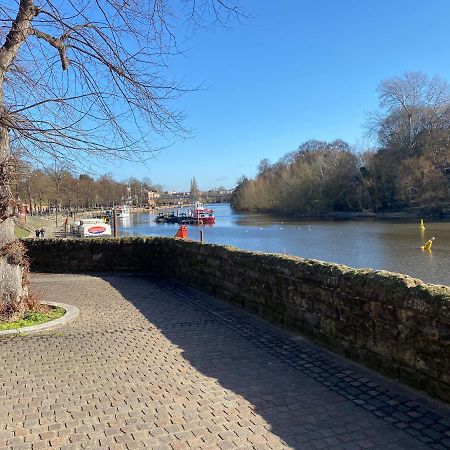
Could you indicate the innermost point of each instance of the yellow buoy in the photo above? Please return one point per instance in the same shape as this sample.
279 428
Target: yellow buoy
428 244
422 226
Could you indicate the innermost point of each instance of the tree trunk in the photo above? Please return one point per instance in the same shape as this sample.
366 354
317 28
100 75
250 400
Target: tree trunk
30 201
13 263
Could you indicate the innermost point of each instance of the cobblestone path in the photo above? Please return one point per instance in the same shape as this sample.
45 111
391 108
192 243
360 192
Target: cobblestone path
150 364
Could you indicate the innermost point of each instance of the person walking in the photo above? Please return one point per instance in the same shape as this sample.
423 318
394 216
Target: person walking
38 232
42 232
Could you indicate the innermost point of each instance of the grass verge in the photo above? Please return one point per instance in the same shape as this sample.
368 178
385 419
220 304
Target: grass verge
21 232
30 318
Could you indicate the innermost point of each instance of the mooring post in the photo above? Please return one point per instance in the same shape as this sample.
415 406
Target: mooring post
115 221
66 223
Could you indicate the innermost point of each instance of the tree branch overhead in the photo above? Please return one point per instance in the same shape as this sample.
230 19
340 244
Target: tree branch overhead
87 79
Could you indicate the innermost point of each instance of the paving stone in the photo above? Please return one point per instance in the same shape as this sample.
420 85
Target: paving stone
152 364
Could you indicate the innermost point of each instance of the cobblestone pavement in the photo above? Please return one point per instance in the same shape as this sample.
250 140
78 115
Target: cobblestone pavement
150 364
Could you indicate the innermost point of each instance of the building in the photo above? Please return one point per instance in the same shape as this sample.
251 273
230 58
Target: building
150 200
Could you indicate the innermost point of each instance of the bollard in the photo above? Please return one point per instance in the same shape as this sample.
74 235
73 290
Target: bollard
201 236
115 221
66 221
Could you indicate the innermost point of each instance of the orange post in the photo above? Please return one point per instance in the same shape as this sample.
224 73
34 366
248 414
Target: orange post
182 232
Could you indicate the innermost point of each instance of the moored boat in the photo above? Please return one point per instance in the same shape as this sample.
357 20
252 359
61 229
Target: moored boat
199 215
123 212
160 218
202 215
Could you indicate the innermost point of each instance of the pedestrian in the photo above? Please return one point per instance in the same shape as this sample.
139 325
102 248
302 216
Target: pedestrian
38 232
42 232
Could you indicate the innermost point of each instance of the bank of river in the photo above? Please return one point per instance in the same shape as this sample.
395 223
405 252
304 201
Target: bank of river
390 245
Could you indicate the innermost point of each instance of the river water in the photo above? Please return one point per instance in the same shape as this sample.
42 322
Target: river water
376 244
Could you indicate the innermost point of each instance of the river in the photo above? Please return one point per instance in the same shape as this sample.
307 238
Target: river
377 244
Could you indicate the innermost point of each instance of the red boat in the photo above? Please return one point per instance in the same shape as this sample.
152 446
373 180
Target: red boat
202 215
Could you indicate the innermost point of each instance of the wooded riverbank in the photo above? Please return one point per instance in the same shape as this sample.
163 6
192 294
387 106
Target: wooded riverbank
408 170
355 215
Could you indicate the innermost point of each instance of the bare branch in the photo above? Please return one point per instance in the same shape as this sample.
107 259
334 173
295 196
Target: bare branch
114 94
57 43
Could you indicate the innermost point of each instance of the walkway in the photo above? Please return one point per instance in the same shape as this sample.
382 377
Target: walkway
149 364
51 229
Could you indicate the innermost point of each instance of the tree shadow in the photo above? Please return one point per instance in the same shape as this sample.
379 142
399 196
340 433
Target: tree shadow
259 385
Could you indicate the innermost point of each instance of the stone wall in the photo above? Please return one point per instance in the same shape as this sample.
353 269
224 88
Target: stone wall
390 322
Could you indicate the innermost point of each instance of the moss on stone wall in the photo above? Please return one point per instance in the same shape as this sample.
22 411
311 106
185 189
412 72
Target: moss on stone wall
392 322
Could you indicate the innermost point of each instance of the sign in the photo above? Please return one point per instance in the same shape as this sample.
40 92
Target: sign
96 230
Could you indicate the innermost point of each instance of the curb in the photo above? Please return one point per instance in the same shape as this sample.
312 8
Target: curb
72 313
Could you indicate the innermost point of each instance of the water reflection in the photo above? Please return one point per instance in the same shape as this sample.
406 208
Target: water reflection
389 245
124 222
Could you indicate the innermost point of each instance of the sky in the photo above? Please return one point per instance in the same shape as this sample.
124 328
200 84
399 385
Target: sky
291 71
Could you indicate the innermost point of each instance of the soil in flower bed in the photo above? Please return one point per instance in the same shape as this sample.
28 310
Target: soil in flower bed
30 318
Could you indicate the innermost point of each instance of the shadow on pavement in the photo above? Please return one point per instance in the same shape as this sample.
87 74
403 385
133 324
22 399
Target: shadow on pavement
256 381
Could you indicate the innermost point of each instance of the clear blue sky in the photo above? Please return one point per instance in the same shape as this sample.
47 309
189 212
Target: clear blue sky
296 70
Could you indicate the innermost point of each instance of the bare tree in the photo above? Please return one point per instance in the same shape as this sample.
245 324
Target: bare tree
412 105
320 177
413 130
82 79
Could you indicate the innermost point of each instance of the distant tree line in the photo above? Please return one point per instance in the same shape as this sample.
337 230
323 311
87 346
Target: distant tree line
41 189
409 169
59 188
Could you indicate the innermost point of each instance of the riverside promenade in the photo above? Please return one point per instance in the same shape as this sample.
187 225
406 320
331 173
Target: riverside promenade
151 364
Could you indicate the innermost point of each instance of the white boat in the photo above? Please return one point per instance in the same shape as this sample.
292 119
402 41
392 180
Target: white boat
123 212
90 228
